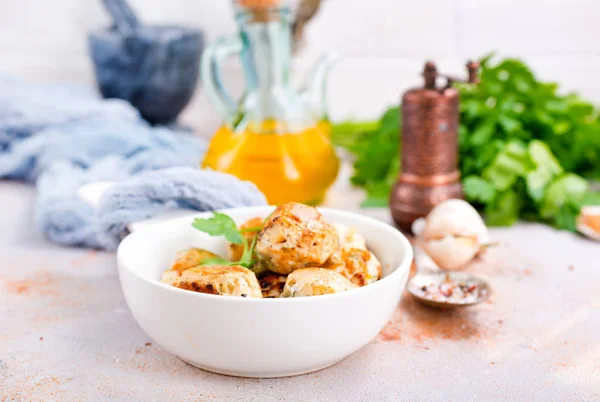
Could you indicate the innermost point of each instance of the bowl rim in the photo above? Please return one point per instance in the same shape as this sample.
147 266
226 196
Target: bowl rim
397 272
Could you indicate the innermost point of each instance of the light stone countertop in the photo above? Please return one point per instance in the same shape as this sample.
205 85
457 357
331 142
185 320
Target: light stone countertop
67 334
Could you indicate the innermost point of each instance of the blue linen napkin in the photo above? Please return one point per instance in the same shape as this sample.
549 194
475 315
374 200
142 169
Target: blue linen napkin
150 193
26 108
62 137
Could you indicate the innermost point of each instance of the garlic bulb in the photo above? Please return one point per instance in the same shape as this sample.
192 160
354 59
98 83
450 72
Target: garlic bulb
588 221
451 234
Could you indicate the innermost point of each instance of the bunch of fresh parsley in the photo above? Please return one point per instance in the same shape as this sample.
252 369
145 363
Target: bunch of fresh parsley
525 150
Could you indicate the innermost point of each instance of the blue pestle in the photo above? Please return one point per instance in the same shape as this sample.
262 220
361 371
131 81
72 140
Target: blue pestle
123 16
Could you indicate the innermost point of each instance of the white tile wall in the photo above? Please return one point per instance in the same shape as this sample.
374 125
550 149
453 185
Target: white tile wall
385 41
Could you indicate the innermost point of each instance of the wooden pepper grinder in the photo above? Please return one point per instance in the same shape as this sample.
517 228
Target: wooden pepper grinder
429 156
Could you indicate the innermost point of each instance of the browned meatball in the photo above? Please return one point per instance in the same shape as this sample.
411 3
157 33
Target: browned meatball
192 257
357 264
315 282
236 250
272 285
171 277
296 236
221 280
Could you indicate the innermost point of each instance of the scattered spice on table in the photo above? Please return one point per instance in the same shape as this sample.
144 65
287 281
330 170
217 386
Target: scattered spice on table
40 284
417 323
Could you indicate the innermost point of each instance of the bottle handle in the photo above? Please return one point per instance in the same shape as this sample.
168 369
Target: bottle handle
212 78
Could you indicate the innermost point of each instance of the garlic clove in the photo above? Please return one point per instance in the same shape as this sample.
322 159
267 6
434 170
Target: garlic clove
452 234
452 252
418 226
588 222
455 217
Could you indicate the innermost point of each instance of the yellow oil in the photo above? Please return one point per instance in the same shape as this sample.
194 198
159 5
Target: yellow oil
285 166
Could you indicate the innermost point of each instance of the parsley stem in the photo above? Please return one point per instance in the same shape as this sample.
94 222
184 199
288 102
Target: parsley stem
254 229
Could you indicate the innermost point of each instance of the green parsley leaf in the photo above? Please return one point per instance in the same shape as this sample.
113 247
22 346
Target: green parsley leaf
246 259
223 225
348 133
479 190
217 261
591 198
254 229
219 225
483 133
565 189
547 168
504 211
542 156
566 217
509 124
508 165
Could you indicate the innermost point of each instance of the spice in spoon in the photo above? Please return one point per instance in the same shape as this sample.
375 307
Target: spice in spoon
451 291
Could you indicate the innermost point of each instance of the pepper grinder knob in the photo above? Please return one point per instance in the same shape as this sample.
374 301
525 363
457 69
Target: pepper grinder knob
473 71
430 75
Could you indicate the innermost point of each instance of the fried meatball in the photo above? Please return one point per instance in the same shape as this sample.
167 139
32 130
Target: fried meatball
192 257
314 282
272 285
295 236
236 250
359 265
221 280
349 237
171 277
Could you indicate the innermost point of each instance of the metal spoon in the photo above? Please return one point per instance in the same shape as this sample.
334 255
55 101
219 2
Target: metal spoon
430 275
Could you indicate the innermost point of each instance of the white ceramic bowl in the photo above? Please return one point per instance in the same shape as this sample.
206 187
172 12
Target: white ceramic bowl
257 337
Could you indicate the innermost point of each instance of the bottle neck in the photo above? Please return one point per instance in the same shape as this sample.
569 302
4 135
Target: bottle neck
267 47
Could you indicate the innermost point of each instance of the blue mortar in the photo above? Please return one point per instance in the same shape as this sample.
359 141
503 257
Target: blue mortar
155 68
